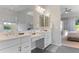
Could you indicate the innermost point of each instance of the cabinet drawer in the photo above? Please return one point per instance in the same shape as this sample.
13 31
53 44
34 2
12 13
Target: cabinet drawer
37 38
40 43
47 42
13 49
34 39
25 39
46 35
8 43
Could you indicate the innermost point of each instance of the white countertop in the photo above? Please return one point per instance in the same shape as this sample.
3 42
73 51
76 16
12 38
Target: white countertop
9 36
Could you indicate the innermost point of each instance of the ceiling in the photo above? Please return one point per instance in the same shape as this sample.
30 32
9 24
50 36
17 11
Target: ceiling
17 7
75 8
20 7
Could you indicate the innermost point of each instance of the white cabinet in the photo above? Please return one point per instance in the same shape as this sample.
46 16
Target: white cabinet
47 39
13 49
8 43
44 41
10 46
16 45
25 48
25 44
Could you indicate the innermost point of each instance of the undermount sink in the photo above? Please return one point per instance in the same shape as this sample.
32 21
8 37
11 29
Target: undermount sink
46 30
33 33
20 33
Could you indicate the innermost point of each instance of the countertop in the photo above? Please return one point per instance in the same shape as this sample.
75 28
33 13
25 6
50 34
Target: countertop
13 35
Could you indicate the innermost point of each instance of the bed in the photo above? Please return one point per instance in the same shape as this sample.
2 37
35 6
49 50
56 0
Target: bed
73 36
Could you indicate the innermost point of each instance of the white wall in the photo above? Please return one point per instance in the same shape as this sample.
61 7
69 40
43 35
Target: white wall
24 20
55 25
36 20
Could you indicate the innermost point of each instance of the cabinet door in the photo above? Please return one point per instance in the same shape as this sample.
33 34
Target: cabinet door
26 48
13 49
25 44
47 40
25 39
8 43
40 43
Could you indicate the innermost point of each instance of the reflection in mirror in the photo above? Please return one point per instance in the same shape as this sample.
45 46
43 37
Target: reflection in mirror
9 27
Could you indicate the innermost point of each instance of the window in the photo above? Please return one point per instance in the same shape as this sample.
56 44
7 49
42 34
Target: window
77 25
44 21
9 27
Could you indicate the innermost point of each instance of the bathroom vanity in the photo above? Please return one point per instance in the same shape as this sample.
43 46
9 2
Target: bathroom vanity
15 44
22 43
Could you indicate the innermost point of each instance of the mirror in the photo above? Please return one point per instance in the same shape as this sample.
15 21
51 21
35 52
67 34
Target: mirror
9 27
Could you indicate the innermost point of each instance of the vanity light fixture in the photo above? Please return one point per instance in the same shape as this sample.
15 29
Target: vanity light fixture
39 9
7 23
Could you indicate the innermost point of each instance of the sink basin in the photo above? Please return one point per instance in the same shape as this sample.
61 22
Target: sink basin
46 30
20 33
33 33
